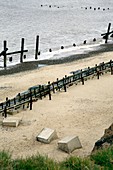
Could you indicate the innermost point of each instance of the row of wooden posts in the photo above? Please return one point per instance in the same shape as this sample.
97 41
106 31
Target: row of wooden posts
94 8
4 53
37 92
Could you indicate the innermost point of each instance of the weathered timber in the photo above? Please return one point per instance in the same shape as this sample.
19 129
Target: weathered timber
16 52
22 48
5 49
37 46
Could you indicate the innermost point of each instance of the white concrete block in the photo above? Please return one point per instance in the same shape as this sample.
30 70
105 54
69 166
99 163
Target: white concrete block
10 121
69 144
47 135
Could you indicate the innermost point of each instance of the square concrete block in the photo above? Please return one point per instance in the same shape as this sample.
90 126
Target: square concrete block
10 121
69 144
47 135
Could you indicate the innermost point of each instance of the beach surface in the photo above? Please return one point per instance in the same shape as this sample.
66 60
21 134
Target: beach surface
84 110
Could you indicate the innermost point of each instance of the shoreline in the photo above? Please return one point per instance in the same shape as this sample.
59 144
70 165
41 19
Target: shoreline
33 65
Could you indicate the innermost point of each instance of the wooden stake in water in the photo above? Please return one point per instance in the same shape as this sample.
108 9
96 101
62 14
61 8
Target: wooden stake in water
107 34
5 47
22 49
37 46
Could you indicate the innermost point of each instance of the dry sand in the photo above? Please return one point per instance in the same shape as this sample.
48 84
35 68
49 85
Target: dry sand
85 111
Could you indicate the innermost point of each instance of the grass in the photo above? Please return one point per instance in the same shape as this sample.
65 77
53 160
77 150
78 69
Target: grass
101 160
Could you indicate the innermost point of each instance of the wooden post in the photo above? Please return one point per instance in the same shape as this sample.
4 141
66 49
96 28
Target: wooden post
37 46
9 102
5 112
107 34
23 106
111 67
30 100
53 87
19 99
88 70
22 49
24 97
82 79
40 92
57 85
6 101
49 90
98 74
2 105
70 80
14 101
35 92
66 79
5 59
74 78
43 89
64 84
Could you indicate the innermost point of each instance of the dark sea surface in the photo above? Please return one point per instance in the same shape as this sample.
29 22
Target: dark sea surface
58 23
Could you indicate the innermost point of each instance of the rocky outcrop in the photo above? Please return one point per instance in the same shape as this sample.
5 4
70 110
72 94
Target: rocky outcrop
106 140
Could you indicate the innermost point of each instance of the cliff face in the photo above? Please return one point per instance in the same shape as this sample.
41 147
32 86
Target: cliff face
106 140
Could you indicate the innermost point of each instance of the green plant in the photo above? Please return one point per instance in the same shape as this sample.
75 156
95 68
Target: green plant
35 163
75 163
5 161
104 157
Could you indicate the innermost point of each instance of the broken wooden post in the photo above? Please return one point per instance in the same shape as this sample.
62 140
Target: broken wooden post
22 49
37 46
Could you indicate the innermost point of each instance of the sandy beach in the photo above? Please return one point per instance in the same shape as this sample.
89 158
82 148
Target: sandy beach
84 110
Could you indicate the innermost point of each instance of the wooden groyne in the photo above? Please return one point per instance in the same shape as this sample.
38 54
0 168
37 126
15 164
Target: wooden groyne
22 51
25 99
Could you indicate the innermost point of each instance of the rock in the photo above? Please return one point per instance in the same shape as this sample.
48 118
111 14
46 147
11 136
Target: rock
106 140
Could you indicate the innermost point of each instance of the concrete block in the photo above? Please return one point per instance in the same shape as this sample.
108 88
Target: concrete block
69 144
47 135
10 121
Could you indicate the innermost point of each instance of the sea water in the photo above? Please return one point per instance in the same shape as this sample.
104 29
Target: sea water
58 23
